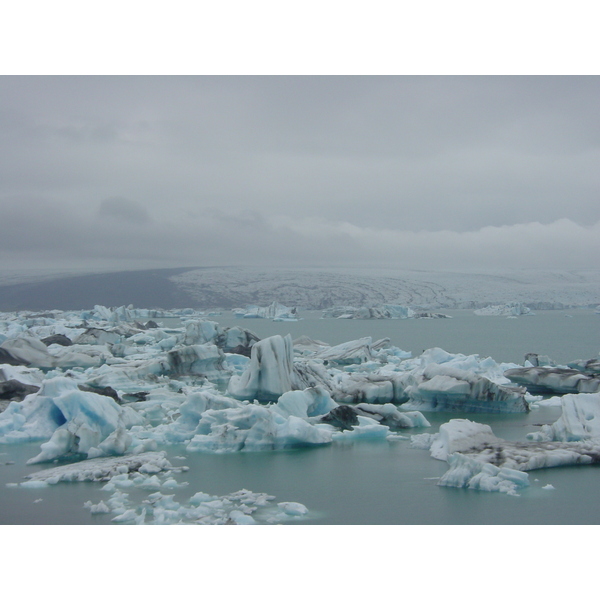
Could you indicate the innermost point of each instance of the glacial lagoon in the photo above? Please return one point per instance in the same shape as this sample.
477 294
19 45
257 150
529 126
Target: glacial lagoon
369 482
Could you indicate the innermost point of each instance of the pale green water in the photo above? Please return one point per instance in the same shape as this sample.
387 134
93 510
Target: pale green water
563 338
371 483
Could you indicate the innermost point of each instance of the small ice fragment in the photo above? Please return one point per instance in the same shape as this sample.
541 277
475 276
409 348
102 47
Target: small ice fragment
38 500
128 515
293 508
548 487
96 508
34 484
239 518
171 483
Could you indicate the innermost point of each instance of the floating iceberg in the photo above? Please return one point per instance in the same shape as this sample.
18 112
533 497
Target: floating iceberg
580 420
269 373
554 380
348 353
466 472
26 350
469 446
205 360
76 422
103 469
443 388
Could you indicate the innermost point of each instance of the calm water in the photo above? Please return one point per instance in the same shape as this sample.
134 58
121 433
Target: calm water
371 483
562 335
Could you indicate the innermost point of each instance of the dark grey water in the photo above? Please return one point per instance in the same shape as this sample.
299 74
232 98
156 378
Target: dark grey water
370 483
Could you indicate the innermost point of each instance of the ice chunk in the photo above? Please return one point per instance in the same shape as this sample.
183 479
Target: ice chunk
103 469
459 435
200 332
27 350
444 388
306 346
367 429
236 340
388 414
206 360
310 402
75 421
554 380
293 508
269 374
348 353
470 473
477 441
580 420
96 509
96 335
252 428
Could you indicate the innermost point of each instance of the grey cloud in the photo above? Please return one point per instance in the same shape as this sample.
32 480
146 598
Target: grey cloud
212 170
123 209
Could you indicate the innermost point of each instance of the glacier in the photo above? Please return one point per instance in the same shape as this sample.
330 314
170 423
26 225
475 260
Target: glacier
510 309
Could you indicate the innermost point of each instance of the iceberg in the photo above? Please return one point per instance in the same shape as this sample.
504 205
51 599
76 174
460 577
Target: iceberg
254 428
310 402
76 422
103 469
365 429
269 373
476 441
580 420
443 388
348 353
205 360
466 472
554 380
346 416
26 350
591 366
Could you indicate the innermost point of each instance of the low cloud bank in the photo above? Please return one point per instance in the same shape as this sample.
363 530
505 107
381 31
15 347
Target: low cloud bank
121 234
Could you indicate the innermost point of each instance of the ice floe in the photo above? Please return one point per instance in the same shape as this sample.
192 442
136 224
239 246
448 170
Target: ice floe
480 460
554 380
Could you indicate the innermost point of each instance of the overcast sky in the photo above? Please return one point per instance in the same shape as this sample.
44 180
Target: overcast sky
416 172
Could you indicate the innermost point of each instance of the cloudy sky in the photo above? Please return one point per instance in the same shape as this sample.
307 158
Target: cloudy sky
427 172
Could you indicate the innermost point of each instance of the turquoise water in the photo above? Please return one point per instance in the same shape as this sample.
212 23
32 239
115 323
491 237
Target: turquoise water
563 335
370 483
